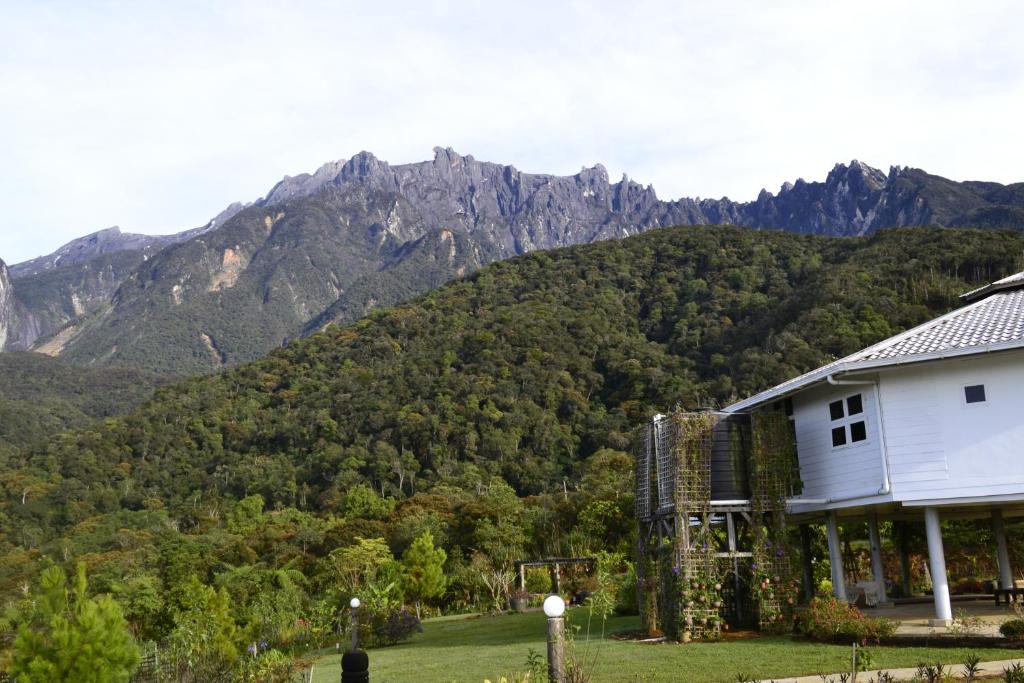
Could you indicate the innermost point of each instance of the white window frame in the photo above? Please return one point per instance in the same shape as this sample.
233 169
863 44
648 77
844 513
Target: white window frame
847 420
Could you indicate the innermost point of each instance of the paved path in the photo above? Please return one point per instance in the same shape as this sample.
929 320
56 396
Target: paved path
987 669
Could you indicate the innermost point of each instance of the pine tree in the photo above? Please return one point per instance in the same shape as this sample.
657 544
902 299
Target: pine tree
68 636
423 566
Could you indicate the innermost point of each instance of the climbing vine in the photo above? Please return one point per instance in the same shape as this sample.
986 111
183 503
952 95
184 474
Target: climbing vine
773 478
698 580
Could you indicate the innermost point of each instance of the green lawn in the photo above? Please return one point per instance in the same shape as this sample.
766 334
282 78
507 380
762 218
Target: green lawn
468 650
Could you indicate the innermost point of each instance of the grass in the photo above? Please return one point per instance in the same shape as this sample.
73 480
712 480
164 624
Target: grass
469 650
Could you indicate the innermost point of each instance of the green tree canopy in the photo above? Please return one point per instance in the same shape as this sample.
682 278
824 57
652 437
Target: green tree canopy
68 636
423 570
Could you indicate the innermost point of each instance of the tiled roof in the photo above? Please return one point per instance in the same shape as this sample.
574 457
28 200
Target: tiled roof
996 319
995 322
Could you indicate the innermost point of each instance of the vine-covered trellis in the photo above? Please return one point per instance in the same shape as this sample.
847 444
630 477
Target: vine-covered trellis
773 479
689 545
699 583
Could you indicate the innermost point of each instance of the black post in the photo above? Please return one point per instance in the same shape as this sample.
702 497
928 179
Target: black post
901 543
355 667
805 562
355 664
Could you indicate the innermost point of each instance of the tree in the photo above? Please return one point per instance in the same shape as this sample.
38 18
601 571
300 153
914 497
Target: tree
68 636
356 565
204 639
423 570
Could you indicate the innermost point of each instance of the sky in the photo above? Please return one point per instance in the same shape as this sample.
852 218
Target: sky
154 116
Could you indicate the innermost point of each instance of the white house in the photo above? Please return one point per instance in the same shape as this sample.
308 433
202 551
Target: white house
927 424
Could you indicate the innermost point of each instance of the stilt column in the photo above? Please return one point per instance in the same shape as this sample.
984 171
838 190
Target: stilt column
835 556
937 564
1002 550
877 566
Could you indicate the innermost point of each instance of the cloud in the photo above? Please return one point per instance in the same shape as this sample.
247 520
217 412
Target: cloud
154 116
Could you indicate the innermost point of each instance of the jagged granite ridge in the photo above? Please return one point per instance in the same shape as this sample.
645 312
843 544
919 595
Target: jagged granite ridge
360 233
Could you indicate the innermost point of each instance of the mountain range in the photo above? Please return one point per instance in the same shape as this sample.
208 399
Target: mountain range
361 234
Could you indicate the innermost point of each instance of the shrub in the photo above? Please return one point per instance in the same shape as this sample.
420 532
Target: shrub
395 627
1013 629
830 619
626 600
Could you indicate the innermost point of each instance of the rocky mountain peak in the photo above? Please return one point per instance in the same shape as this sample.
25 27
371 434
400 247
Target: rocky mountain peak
6 305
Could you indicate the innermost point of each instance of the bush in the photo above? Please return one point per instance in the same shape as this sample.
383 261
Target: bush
393 627
1013 629
830 619
626 600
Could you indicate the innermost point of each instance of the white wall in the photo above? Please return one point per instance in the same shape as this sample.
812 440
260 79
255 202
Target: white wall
940 446
853 470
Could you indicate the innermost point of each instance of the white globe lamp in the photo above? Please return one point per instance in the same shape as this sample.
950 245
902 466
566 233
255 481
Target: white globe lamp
354 603
554 606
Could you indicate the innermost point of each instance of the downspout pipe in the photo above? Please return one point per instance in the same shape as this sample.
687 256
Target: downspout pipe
886 481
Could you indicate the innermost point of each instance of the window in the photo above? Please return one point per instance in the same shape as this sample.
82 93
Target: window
975 393
848 424
858 431
854 405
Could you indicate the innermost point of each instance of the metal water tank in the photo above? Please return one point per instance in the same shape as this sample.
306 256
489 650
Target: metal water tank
730 445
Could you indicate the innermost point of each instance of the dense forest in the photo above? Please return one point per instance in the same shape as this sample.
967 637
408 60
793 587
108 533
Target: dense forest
41 396
490 419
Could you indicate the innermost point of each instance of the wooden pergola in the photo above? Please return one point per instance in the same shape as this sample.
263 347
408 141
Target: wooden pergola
554 564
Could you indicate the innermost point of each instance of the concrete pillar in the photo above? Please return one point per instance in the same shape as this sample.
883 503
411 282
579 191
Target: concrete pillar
877 566
805 562
835 556
1002 550
937 563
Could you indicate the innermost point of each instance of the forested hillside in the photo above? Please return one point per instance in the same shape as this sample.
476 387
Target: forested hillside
531 373
42 396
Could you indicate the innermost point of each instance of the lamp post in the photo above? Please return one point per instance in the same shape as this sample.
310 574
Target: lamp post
355 665
554 608
354 604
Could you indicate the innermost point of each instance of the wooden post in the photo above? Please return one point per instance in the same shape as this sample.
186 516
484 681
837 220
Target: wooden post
835 556
937 561
1002 550
558 581
522 577
556 649
877 566
805 562
554 610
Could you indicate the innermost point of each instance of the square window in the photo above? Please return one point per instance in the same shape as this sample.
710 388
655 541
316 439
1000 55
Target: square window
858 431
975 393
838 436
836 410
854 405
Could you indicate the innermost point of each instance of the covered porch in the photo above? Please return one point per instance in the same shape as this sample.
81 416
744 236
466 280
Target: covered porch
915 618
893 542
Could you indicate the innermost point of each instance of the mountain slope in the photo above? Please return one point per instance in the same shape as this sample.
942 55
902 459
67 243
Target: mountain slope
520 371
42 396
61 290
358 234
